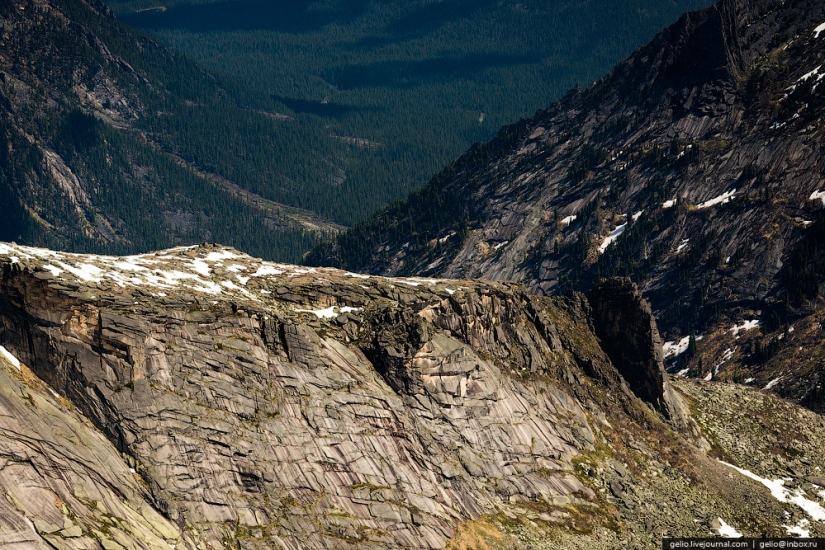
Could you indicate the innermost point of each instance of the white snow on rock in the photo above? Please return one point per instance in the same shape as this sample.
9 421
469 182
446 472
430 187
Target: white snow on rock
749 380
673 348
683 372
724 198
638 215
682 245
819 29
813 73
800 529
54 270
568 220
818 195
327 313
612 237
184 269
669 204
444 239
201 267
222 255
709 377
782 494
728 531
265 270
9 357
425 280
746 326
772 383
728 353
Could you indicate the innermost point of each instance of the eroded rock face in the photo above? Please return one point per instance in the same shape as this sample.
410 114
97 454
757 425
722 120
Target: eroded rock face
624 323
201 398
64 484
695 166
312 408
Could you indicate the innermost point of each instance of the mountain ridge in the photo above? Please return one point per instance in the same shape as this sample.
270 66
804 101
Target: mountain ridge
708 138
233 401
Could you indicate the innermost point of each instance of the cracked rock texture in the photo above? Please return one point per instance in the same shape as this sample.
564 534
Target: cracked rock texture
699 158
263 405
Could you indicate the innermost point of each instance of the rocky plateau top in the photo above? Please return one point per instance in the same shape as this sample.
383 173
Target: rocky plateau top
201 398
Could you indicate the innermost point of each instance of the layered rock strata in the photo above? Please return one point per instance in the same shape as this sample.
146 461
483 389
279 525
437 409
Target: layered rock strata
201 398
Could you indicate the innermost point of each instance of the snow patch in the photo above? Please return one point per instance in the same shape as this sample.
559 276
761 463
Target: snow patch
423 280
265 270
818 195
201 267
772 383
749 380
815 72
568 220
327 313
682 245
819 29
727 531
612 237
673 348
724 198
782 494
800 529
444 239
55 270
669 204
9 357
709 377
746 326
638 215
683 373
356 275
728 353
222 255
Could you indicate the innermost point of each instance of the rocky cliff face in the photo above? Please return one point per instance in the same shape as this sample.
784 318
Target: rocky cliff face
694 167
627 330
238 403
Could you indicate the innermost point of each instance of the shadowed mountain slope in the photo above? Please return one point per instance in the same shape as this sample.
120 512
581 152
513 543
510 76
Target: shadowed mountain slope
694 167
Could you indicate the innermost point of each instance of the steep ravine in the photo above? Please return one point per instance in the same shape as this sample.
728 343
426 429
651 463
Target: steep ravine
695 167
264 405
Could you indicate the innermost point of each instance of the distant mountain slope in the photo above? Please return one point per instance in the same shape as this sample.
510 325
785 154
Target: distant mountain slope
710 138
92 116
380 95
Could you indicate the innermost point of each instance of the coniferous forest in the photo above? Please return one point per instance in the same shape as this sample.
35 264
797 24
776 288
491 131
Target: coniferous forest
269 125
